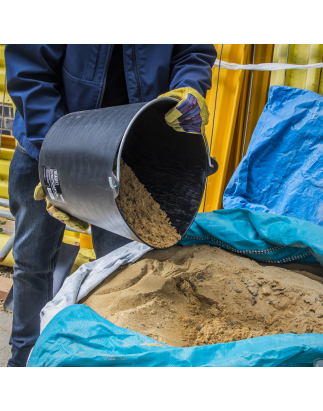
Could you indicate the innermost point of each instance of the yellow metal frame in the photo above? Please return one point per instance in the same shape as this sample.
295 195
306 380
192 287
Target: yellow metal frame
299 54
8 261
5 159
231 113
260 87
229 89
85 254
7 99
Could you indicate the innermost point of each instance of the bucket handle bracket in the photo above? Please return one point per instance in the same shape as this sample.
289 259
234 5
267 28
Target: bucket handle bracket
212 166
114 184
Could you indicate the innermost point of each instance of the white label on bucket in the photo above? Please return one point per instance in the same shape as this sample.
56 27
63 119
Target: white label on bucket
50 193
52 183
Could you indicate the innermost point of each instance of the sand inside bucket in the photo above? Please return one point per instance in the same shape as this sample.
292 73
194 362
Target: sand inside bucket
143 213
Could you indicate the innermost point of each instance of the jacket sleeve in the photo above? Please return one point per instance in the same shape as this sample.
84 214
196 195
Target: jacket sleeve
34 85
191 66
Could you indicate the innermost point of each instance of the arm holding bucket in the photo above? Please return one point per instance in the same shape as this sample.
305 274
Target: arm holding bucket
191 66
190 79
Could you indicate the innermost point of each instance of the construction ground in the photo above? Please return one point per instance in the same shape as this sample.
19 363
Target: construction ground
5 331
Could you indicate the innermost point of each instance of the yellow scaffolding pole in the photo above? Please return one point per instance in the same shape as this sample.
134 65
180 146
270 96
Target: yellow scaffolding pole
7 99
298 54
231 113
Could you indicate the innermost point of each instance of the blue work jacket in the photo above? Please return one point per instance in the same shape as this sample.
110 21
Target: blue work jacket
46 81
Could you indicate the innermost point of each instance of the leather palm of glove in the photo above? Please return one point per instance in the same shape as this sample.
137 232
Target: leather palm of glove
190 114
60 215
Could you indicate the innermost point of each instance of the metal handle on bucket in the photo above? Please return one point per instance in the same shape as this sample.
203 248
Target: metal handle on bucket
208 151
115 187
212 163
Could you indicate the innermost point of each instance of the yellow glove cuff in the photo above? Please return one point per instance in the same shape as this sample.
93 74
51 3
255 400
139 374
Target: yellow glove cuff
39 193
181 94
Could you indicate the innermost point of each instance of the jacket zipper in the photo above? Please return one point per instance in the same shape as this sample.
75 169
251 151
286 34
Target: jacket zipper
134 60
105 77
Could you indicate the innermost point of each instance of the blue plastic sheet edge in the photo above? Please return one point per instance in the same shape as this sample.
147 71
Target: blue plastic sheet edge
264 236
79 337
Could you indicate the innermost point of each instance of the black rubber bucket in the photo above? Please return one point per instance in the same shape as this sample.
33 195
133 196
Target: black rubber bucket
77 157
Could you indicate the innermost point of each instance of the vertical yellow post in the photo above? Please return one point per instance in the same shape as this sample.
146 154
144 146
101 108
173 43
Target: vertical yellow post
280 55
299 54
231 113
230 84
7 99
313 75
259 93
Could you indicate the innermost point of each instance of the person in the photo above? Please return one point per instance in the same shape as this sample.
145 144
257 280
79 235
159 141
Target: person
46 82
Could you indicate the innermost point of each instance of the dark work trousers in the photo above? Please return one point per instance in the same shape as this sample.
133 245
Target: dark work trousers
37 242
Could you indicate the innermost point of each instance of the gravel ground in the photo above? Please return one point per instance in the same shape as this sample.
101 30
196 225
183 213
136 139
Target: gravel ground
5 323
6 227
6 271
5 331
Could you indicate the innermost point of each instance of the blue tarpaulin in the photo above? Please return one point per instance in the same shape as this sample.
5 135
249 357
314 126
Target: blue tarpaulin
79 337
264 236
282 172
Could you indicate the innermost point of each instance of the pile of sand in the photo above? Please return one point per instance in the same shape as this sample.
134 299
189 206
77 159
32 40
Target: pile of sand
142 213
196 295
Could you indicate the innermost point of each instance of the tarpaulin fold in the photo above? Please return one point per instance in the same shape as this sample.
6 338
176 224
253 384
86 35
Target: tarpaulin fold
282 171
79 337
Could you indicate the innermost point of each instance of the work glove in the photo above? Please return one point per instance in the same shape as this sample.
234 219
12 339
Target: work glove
191 114
60 215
